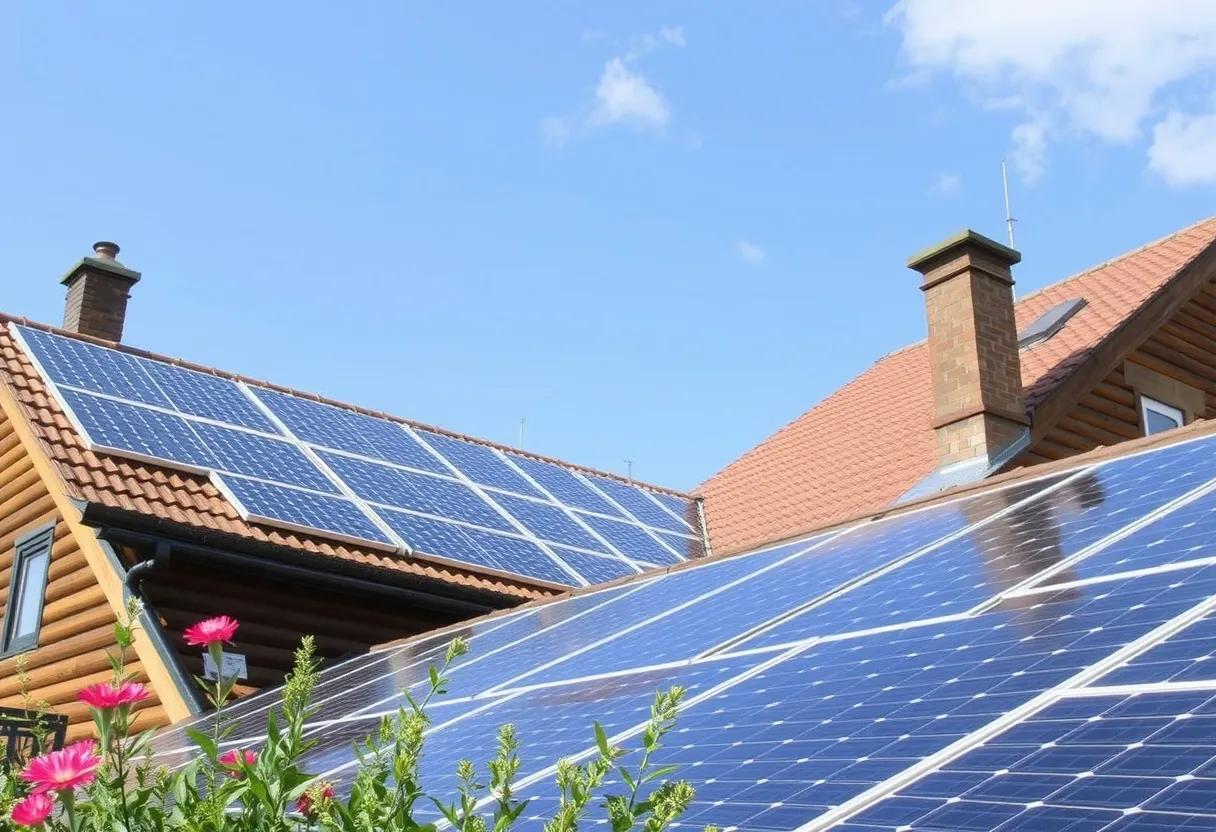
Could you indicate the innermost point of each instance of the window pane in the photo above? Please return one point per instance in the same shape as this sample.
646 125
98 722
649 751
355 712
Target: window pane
1159 417
31 587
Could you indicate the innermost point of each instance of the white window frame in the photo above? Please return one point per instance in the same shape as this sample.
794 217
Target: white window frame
1151 405
27 548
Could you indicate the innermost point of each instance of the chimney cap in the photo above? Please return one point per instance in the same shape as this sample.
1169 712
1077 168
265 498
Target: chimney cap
964 239
103 259
106 250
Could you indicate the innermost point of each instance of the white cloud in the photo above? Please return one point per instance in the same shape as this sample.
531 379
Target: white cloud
626 97
1028 149
623 95
750 253
1086 67
945 184
1183 151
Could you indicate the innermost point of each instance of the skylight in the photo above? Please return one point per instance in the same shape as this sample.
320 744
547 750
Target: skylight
1049 323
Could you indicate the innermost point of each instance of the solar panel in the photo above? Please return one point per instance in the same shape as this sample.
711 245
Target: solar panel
1012 693
302 510
425 490
481 464
401 488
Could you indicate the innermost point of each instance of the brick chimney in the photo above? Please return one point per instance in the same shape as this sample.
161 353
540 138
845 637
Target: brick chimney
979 409
98 288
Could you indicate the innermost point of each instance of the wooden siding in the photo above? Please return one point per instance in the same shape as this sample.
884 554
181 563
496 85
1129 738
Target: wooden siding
1183 349
77 620
274 615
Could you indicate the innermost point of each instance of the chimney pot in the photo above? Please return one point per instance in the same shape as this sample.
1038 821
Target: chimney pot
106 250
979 409
98 289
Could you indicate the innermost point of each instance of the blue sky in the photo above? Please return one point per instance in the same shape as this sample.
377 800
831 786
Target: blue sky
657 231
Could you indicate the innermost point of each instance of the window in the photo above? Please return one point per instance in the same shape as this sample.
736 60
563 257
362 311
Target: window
23 612
1157 416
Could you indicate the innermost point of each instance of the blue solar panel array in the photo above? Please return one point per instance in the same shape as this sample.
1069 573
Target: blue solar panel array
981 664
309 466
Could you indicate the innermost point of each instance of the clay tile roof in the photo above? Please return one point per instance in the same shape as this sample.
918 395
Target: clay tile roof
866 444
192 501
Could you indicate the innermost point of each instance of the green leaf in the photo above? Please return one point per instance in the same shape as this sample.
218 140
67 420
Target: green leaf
601 740
204 742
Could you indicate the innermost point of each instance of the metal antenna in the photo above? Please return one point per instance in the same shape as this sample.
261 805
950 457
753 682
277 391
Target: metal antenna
522 422
629 469
1009 220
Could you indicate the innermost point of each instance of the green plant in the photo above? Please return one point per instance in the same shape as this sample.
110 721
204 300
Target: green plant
113 785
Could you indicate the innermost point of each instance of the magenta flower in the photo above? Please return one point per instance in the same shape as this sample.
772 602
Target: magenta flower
231 760
72 766
33 810
211 630
106 696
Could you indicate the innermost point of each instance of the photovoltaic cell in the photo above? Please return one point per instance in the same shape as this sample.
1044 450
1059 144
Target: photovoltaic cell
549 522
91 367
681 507
473 546
636 501
303 509
630 540
1033 537
480 464
138 430
1186 656
346 430
760 595
564 485
211 397
594 568
399 488
241 452
1079 764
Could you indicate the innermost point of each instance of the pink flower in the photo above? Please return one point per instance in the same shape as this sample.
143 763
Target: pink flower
105 696
231 760
72 766
33 810
211 630
305 806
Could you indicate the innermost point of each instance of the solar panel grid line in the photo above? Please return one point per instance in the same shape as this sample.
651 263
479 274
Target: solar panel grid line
316 460
849 635
1138 688
1177 566
216 478
1007 720
654 499
510 518
873 575
480 657
813 544
1043 578
574 517
566 508
603 492
622 736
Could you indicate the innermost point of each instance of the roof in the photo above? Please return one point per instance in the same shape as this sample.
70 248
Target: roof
192 503
864 446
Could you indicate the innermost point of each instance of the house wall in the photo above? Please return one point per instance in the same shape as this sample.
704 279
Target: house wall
77 619
1181 351
274 615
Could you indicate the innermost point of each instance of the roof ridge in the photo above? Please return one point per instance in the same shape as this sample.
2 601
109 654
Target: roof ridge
1113 260
316 397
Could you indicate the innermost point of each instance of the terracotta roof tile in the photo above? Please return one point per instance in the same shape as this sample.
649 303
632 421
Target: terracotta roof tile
869 442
